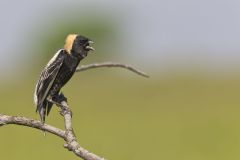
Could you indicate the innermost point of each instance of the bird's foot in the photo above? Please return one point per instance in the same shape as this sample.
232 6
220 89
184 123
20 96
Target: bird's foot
59 100
61 97
56 102
65 108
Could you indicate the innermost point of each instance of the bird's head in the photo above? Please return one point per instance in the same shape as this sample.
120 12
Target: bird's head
78 45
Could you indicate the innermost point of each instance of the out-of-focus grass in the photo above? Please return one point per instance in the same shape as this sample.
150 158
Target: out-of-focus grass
119 117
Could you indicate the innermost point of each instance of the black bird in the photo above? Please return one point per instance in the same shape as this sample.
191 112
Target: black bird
58 71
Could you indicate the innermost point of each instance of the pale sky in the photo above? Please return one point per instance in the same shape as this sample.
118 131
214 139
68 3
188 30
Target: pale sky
154 31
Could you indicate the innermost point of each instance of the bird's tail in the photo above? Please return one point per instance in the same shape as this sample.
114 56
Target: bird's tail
49 107
41 109
44 109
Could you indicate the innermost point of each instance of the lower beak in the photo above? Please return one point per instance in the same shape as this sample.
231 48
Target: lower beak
90 48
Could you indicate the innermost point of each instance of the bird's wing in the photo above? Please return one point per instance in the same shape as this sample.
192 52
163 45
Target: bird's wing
47 77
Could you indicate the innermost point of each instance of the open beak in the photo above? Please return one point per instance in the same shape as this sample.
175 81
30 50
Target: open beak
90 48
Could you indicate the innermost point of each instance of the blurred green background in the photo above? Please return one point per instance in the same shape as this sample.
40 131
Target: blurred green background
187 110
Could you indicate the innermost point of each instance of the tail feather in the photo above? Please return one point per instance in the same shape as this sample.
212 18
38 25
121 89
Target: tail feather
42 114
49 107
41 109
44 109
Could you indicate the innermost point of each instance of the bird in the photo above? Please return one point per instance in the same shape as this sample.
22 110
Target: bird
59 71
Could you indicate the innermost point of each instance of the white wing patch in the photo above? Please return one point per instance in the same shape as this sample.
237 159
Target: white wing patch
44 75
54 58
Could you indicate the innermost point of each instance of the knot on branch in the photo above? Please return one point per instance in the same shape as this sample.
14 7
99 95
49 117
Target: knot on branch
2 123
65 111
68 146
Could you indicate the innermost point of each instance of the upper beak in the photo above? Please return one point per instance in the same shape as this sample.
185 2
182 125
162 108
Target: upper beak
90 42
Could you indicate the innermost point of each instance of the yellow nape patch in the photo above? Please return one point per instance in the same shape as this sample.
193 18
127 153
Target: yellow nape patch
69 42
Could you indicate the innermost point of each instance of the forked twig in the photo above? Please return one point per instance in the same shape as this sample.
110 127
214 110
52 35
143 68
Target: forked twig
67 134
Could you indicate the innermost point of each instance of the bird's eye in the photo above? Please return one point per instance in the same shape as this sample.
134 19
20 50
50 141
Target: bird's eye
83 42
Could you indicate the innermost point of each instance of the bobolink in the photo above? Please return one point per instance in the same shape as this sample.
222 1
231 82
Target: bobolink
58 71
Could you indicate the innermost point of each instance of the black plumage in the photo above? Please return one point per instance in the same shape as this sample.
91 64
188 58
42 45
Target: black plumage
58 72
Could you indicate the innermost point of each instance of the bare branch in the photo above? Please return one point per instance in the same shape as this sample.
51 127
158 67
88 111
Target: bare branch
68 135
111 64
19 120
